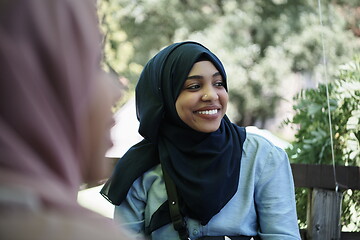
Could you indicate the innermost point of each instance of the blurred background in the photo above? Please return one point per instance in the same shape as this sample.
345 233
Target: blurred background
287 62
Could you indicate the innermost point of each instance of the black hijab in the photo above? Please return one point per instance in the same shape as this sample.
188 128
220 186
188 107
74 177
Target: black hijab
205 167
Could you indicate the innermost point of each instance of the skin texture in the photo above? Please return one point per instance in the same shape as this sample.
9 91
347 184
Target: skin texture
203 100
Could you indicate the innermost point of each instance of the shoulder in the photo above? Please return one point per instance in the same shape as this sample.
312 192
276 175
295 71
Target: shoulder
257 143
152 175
257 140
262 152
265 137
151 179
58 225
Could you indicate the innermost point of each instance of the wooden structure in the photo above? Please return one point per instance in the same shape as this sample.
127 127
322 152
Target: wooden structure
323 214
322 176
324 203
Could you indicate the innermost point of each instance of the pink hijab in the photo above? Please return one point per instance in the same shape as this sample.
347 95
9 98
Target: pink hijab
54 110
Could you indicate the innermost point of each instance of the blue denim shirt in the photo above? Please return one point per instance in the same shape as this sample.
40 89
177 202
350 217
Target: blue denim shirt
263 205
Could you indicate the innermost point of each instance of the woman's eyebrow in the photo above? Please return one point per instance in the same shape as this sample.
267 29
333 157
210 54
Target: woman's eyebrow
194 77
200 76
216 74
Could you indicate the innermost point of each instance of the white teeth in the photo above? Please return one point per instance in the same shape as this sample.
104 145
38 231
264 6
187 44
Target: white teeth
208 112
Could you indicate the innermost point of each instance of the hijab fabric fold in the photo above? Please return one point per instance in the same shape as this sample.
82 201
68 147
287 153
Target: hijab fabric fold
205 167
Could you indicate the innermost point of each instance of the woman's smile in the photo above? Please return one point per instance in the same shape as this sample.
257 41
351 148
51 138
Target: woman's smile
209 113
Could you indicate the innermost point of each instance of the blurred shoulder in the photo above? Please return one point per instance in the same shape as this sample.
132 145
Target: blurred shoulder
58 225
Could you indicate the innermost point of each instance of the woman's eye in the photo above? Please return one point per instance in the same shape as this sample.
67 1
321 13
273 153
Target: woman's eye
193 87
219 84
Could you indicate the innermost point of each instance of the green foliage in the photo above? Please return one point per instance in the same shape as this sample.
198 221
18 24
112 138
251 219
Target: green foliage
118 49
312 143
301 205
261 42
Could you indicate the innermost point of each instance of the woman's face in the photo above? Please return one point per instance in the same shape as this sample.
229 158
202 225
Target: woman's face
203 99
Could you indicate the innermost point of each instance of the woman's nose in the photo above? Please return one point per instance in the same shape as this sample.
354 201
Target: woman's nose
210 94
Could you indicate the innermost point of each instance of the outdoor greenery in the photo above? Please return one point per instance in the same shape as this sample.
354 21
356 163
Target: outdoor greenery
313 144
264 44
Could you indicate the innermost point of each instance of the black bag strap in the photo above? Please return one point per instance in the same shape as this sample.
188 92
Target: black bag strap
176 217
160 218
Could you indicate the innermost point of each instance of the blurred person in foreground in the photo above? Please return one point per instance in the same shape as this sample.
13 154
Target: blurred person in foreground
55 117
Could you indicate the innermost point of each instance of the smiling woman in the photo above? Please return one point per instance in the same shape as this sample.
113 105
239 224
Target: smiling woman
202 102
194 164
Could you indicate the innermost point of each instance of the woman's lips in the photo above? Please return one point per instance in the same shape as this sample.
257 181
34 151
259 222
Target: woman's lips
208 112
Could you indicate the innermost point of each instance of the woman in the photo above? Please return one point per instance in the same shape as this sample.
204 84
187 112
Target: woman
228 183
54 120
